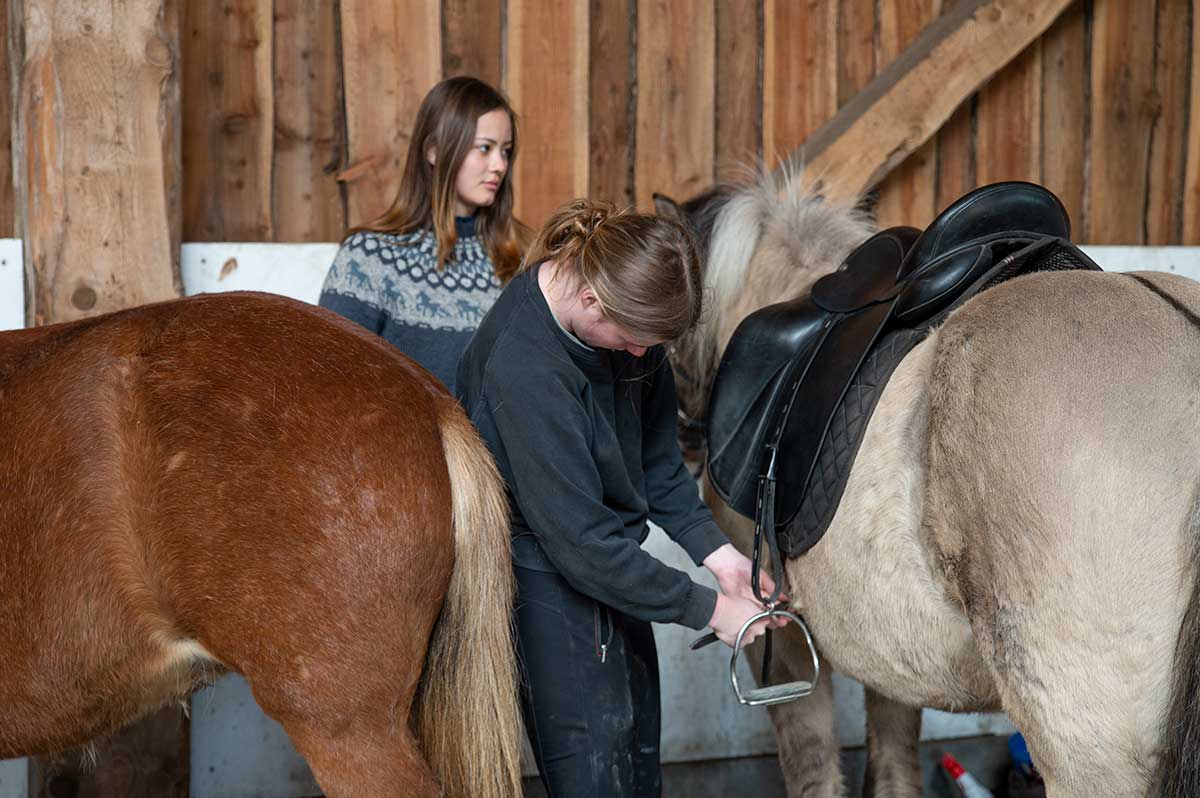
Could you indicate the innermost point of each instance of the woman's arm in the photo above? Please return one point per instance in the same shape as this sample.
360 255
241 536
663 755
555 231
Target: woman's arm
671 491
676 506
546 432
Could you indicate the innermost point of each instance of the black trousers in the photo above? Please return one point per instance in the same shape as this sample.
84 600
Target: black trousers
589 692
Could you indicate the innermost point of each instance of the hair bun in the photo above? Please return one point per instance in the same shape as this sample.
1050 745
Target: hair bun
589 216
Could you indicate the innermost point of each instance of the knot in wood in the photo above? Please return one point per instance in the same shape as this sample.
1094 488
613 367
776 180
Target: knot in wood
84 298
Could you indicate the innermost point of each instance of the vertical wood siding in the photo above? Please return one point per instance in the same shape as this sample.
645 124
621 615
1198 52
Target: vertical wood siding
676 58
546 79
296 113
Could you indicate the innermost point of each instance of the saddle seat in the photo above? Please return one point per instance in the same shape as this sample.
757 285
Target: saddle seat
829 355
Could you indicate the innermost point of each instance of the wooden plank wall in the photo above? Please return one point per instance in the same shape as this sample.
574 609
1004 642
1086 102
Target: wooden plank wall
297 112
8 206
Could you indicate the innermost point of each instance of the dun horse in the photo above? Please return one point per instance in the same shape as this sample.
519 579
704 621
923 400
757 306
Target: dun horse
243 482
1021 527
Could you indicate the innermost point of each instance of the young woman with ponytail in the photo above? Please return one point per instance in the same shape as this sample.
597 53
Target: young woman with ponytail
567 381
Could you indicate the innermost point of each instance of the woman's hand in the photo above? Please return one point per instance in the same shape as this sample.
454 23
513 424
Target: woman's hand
730 614
733 571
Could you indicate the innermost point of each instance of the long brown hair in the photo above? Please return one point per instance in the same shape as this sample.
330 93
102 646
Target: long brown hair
446 121
642 268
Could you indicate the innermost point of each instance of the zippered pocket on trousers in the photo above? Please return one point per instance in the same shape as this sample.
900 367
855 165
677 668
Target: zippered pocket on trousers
603 618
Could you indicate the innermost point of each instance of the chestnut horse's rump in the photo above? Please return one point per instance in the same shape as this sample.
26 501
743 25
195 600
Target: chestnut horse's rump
232 481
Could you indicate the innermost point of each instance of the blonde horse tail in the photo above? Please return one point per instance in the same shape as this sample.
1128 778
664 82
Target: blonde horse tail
1179 765
467 712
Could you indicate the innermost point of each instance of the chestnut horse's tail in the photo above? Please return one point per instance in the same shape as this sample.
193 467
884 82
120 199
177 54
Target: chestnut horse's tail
467 712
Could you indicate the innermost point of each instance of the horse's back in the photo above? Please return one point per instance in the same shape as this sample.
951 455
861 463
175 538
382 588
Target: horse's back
239 479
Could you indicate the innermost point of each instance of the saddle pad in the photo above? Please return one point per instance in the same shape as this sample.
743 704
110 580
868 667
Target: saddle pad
842 440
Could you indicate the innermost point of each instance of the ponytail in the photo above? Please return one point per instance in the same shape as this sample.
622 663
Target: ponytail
642 268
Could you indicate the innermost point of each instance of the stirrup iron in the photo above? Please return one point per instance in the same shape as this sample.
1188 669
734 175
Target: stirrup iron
774 693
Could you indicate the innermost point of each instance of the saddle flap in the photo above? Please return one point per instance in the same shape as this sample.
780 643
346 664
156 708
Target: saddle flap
869 273
747 392
818 395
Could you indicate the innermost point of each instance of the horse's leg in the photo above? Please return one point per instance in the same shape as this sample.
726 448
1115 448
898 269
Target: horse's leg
808 749
346 704
893 740
377 759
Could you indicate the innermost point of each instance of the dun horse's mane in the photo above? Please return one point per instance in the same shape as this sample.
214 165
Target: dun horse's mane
772 239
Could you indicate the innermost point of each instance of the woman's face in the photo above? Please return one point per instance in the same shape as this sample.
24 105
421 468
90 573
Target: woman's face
486 164
599 332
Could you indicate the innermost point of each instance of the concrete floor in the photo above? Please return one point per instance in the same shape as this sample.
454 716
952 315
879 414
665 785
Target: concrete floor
985 757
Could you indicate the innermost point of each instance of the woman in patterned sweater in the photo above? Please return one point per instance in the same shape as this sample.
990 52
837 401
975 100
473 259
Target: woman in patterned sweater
424 273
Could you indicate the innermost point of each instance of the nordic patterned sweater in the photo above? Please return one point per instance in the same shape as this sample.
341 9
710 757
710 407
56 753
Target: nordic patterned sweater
391 285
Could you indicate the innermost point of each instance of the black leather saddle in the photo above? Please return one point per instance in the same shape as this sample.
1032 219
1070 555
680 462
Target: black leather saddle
800 379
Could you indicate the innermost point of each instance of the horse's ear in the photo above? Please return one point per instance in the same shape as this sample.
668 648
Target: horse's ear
665 206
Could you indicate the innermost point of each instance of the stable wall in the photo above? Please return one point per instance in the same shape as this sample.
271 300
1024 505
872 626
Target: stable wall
295 115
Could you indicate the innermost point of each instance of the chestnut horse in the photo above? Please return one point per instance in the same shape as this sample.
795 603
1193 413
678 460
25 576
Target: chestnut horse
1021 526
243 482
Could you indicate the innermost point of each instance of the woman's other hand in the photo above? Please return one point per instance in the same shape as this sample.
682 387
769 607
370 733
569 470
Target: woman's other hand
730 616
733 572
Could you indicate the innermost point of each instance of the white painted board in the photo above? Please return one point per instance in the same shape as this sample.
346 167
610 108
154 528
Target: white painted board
12 286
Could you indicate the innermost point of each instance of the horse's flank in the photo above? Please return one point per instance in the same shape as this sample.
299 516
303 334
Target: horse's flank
242 481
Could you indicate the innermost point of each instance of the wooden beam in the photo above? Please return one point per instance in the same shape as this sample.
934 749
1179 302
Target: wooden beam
858 22
739 87
471 39
391 58
611 78
800 73
1168 135
1064 114
905 104
8 209
1009 121
546 75
1123 112
97 115
908 194
306 201
1191 172
229 123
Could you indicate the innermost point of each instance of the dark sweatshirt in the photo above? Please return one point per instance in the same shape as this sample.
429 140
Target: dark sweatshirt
585 440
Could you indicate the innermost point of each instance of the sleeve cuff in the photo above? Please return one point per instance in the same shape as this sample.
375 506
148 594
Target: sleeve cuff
701 602
702 540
